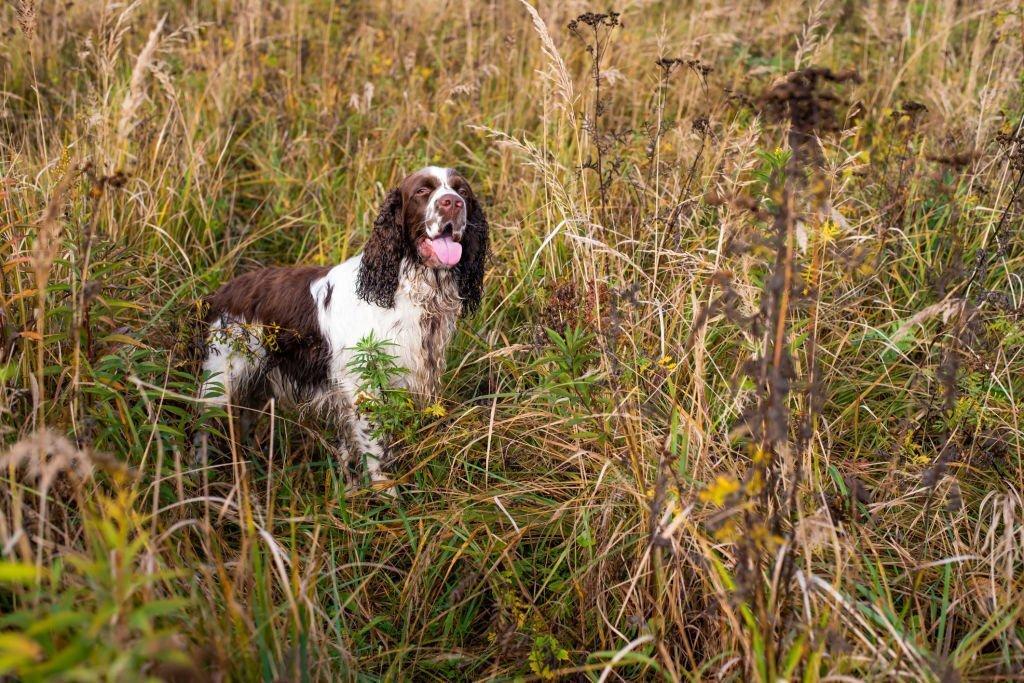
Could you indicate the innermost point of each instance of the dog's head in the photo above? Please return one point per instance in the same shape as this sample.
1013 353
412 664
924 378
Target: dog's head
433 219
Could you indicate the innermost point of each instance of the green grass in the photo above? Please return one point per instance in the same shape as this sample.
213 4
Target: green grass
730 409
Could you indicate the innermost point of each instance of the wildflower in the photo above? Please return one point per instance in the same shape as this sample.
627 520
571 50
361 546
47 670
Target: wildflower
759 455
829 231
718 492
761 537
728 532
381 66
668 363
435 410
754 484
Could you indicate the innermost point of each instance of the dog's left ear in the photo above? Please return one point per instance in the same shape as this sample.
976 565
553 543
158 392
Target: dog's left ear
381 265
469 273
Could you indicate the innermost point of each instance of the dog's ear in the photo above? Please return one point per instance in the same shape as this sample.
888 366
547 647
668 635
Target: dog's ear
469 274
379 269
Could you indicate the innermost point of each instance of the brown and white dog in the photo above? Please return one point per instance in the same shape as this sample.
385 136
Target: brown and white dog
289 332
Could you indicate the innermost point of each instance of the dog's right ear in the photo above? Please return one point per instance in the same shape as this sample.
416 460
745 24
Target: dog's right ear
469 274
377 281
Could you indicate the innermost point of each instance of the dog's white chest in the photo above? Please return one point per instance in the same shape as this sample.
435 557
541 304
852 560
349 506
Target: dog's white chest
419 325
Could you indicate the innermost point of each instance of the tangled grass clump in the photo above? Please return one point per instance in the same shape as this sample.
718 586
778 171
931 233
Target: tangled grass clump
740 401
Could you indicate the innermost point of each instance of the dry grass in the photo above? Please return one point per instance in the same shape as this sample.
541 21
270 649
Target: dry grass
740 403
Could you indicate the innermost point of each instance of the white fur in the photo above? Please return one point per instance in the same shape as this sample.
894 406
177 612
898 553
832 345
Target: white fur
348 319
433 219
233 352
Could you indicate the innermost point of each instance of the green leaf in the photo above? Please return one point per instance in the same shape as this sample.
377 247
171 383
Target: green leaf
157 608
8 371
19 572
17 649
62 661
56 622
122 339
585 540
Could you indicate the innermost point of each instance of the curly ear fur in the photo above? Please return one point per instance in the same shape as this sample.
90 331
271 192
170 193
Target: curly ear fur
377 281
469 274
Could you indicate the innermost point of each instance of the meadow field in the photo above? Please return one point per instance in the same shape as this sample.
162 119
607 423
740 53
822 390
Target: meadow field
741 401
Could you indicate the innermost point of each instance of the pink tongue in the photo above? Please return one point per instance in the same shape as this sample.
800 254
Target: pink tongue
447 250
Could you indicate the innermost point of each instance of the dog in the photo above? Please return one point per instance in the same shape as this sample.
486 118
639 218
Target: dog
288 333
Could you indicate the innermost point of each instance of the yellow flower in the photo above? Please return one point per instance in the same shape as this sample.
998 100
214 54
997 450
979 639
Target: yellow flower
720 490
762 537
435 410
668 363
759 455
728 532
755 483
829 231
378 67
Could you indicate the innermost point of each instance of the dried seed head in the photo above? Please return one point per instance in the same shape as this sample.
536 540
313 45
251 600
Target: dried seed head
27 17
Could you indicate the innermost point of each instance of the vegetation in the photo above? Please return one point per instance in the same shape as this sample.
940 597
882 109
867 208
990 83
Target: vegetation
740 403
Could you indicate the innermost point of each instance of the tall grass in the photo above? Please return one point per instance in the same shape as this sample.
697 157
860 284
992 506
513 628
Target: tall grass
741 401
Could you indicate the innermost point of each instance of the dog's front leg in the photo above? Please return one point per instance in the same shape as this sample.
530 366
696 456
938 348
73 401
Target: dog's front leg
374 453
362 446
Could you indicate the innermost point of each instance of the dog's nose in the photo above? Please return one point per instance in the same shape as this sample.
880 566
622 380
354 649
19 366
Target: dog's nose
450 204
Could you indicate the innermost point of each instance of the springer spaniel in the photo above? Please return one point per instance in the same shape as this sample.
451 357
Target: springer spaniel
288 332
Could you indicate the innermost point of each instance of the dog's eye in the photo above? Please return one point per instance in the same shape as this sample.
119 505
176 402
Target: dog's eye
462 190
423 190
